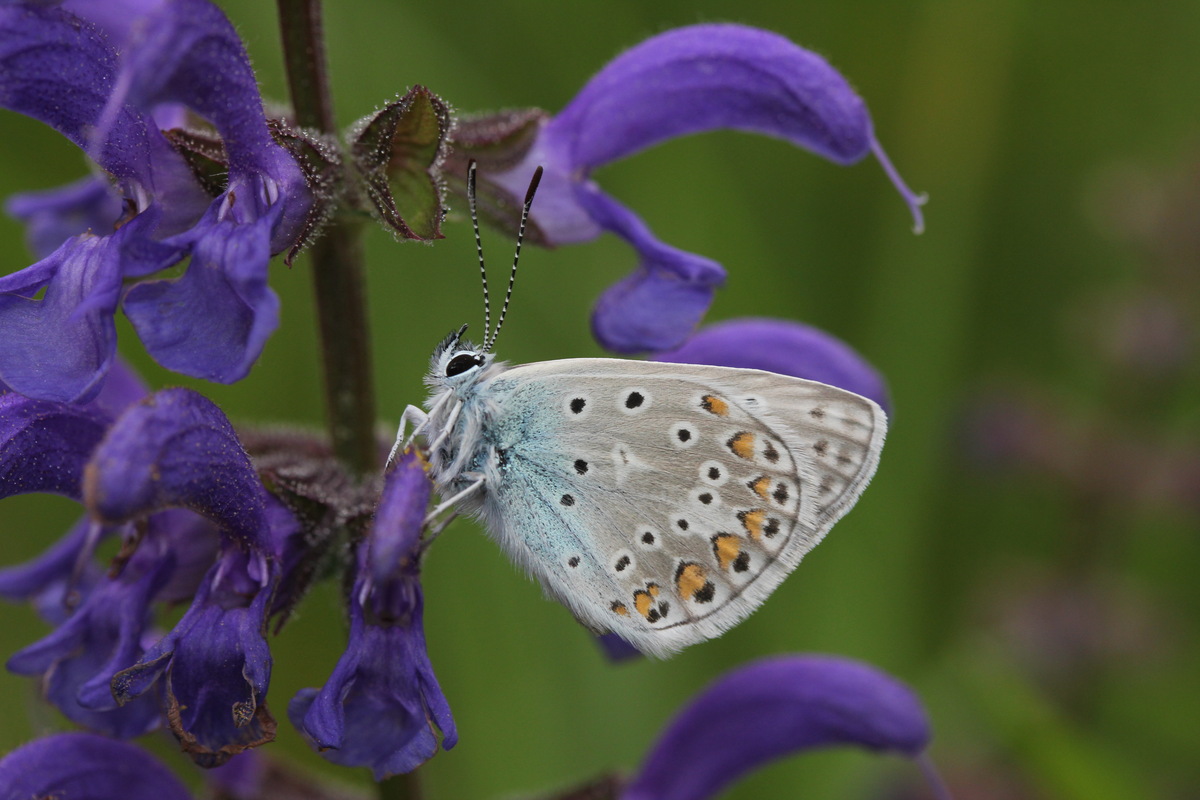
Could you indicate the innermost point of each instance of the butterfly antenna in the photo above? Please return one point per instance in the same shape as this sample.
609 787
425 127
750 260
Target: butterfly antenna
512 277
487 308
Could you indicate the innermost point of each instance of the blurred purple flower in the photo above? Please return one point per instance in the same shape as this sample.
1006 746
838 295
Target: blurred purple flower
785 347
171 475
777 707
61 66
616 649
684 81
382 706
44 447
103 635
83 766
243 776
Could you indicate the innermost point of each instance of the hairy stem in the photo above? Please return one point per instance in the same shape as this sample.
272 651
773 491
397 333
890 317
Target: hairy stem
339 280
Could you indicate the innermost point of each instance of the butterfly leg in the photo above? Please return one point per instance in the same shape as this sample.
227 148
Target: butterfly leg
433 531
475 486
447 427
417 417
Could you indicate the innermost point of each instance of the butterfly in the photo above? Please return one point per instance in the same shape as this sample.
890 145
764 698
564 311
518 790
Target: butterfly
662 502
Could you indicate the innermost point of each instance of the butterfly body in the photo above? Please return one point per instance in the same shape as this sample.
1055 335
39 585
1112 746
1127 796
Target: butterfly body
659 501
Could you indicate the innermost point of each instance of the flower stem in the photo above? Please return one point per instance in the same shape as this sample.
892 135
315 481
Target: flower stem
400 787
339 279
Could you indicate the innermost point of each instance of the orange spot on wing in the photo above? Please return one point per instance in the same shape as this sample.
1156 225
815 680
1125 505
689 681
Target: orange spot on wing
742 445
752 521
642 601
620 608
760 486
726 548
691 579
714 405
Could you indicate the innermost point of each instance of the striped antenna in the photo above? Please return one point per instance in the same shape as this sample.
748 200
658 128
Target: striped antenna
529 193
487 307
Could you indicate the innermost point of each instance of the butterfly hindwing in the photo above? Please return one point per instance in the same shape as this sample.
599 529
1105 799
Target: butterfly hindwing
666 501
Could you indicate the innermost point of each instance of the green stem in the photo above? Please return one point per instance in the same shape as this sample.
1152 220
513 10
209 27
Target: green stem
339 283
400 787
339 279
304 54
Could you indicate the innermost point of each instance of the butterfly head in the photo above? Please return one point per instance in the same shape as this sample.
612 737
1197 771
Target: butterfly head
457 363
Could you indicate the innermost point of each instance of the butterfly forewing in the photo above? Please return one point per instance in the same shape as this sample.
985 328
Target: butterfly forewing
665 501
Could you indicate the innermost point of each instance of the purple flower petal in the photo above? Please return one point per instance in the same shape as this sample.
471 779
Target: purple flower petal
186 51
777 707
215 662
661 303
55 215
176 449
616 648
82 766
105 633
50 351
51 574
214 321
44 445
242 777
103 636
396 534
788 348
43 448
61 346
115 18
705 77
122 388
58 69
193 542
684 81
382 706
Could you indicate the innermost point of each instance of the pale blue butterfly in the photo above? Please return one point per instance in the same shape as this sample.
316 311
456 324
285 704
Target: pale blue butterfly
662 502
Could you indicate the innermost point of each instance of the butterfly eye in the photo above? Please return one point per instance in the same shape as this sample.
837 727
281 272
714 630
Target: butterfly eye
463 362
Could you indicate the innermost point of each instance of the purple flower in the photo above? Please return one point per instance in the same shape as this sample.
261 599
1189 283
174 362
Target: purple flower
177 450
102 621
44 447
788 348
382 706
103 635
684 81
83 766
55 215
777 707
169 474
216 662
62 67
616 649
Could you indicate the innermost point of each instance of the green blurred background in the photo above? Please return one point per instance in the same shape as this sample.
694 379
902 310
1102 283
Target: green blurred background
1026 556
